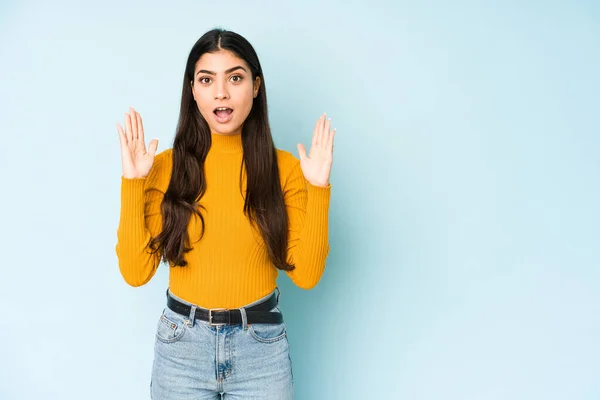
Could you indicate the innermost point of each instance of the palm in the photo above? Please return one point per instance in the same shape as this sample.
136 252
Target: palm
136 161
316 166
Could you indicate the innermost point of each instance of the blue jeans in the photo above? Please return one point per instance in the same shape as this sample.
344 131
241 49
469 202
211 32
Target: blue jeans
195 360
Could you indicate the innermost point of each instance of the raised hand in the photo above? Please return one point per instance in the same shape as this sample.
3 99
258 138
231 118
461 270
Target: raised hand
316 166
134 157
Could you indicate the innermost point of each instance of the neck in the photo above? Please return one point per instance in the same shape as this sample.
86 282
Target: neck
226 143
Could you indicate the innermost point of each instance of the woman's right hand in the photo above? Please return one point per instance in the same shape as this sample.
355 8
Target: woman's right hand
136 161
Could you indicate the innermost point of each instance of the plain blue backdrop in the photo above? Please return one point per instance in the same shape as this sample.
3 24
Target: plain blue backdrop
464 220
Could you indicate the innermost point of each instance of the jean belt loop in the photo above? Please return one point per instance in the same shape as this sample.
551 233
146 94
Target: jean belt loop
244 318
192 317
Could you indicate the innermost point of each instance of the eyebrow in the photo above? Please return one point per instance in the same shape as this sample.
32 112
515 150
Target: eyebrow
204 71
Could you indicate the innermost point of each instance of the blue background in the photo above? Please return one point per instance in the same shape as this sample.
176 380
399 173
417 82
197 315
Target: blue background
464 219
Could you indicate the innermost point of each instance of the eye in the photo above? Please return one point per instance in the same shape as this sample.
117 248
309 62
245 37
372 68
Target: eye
202 80
237 76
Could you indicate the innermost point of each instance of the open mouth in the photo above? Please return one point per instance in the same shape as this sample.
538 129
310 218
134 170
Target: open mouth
223 114
222 111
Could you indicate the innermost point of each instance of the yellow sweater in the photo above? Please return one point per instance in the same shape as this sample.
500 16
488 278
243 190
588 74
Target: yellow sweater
229 267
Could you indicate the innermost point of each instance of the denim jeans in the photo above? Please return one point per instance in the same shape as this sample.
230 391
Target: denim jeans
194 360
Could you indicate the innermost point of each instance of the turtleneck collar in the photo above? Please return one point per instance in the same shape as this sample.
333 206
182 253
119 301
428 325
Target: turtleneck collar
226 143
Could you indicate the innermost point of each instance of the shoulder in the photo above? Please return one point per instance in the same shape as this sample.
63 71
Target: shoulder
287 163
286 160
290 172
163 160
160 173
166 154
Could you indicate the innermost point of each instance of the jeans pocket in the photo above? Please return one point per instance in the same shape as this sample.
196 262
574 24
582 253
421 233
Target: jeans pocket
268 333
170 328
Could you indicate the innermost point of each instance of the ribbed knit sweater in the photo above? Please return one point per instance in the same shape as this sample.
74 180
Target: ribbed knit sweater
229 267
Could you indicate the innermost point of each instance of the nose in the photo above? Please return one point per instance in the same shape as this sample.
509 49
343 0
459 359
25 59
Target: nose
221 91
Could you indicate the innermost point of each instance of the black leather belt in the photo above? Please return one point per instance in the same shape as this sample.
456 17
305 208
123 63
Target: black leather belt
256 314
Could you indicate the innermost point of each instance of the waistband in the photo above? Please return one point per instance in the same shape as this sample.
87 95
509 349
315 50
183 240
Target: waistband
261 300
259 311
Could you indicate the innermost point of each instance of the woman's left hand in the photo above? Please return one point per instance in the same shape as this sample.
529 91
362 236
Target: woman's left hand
316 166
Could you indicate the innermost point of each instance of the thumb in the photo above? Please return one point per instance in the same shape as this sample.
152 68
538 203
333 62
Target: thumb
152 147
301 151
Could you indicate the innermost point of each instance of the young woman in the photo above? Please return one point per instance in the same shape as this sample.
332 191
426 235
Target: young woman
226 210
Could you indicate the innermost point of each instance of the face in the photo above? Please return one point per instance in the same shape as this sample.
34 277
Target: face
224 91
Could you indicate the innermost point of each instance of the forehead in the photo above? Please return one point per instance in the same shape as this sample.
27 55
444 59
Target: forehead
219 61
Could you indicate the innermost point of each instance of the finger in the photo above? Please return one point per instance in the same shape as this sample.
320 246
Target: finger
331 140
134 126
140 128
315 133
152 147
122 137
301 151
325 138
320 129
128 130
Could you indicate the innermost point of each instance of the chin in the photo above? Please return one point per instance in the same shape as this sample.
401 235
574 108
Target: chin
222 129
226 130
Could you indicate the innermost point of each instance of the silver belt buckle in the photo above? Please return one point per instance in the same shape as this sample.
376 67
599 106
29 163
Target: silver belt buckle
210 316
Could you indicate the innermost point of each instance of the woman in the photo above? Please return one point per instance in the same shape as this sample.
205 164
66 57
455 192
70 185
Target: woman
226 210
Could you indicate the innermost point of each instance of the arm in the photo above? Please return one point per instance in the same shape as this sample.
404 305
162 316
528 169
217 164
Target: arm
140 220
307 206
306 195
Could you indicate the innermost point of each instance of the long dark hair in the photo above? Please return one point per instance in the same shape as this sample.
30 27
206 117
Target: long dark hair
263 202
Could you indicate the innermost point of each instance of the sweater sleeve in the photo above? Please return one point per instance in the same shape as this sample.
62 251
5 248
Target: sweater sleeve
140 220
308 208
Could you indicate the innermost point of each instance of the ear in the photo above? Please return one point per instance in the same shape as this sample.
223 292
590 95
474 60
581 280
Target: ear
256 86
192 88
